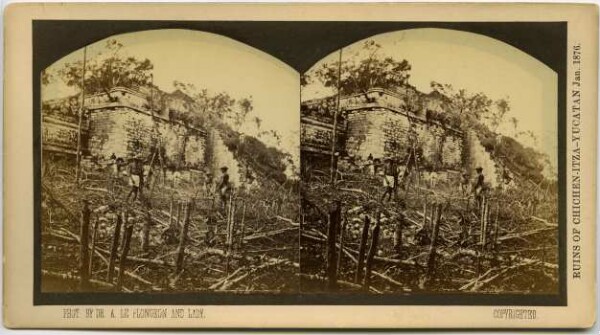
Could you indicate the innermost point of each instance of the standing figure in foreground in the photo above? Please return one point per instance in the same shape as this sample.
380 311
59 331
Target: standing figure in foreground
224 186
136 177
389 178
209 189
478 187
464 184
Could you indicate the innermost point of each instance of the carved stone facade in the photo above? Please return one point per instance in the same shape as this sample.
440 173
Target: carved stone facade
61 136
378 123
121 122
315 135
126 132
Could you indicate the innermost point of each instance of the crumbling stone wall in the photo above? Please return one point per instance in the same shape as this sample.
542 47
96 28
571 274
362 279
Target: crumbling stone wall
317 135
382 132
125 132
378 123
451 152
61 136
375 132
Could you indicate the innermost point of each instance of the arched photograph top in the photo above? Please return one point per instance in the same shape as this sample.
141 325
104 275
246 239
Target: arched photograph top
437 149
173 155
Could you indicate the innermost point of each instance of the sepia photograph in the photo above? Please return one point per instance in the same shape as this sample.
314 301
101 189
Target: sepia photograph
170 163
429 165
300 166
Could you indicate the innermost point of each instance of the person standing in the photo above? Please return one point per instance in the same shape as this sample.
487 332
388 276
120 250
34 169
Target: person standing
136 175
464 184
224 186
388 179
114 170
208 184
433 176
370 165
478 187
251 182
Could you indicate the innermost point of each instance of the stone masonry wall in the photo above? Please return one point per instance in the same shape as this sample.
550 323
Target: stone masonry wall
374 132
61 136
382 132
126 132
316 135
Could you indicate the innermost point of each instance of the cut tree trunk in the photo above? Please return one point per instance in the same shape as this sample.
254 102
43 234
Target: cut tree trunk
334 221
362 249
84 260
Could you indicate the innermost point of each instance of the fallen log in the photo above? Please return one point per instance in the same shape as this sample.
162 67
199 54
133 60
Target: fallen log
149 261
234 281
219 252
101 256
97 189
229 283
355 190
160 222
129 258
101 209
480 284
281 218
268 234
544 221
262 251
378 274
355 252
474 281
340 282
222 281
524 234
388 279
473 253
71 277
99 252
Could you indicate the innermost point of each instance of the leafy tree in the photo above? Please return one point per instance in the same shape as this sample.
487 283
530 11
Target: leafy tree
258 122
267 161
221 105
108 70
305 79
525 161
245 106
276 136
359 74
514 122
497 116
412 100
203 107
529 134
46 77
467 105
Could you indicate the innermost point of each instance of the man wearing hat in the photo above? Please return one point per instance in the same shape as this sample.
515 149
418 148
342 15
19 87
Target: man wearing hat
478 187
224 186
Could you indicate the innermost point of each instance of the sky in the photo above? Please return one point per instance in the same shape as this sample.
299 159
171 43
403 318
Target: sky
216 63
478 64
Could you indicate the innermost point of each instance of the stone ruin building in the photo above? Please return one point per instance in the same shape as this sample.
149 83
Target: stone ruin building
377 123
122 121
